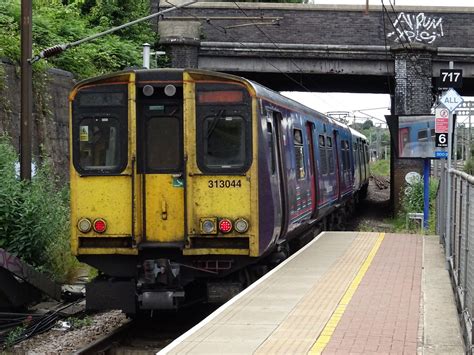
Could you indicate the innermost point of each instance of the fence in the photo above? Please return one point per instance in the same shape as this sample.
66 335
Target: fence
457 233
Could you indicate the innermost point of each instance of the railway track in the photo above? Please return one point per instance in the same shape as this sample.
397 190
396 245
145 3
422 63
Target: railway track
147 336
107 343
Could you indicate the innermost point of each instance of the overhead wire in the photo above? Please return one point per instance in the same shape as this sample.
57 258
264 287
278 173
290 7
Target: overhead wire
224 31
278 48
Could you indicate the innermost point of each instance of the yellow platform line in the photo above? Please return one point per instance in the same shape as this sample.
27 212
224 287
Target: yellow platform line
328 331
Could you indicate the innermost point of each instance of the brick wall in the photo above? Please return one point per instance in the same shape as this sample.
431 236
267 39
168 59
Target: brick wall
342 25
50 114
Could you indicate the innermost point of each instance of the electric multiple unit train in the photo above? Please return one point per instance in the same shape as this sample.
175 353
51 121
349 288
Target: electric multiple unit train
187 184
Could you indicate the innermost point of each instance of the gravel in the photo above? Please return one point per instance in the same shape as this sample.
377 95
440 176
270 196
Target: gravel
69 341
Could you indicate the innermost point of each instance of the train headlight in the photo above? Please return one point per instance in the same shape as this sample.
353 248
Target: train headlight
241 225
84 225
208 225
99 225
148 90
225 225
170 90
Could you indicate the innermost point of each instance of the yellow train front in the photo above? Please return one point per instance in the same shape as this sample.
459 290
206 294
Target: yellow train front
163 186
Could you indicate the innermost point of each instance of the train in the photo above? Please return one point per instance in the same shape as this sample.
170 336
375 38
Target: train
416 136
187 185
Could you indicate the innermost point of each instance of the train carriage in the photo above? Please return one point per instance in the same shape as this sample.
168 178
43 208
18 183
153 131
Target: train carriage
187 183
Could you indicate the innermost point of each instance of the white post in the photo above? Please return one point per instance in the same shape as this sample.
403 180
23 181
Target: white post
146 55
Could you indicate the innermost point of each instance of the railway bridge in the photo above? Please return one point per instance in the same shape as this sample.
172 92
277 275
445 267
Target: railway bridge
302 47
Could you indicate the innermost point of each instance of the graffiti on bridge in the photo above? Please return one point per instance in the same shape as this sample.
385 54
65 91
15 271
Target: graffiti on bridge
417 28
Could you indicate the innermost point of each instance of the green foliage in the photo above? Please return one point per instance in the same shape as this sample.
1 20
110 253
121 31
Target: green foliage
14 335
34 216
367 124
77 323
57 23
469 166
380 167
413 201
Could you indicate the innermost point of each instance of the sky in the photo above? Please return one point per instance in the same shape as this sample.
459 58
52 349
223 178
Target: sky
361 105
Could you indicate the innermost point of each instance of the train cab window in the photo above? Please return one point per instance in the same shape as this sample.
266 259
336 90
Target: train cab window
99 129
223 128
99 143
224 144
299 155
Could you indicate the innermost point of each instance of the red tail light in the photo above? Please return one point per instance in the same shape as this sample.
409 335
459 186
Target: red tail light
225 225
100 225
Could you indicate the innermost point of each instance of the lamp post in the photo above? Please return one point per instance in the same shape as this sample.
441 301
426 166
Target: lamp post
26 91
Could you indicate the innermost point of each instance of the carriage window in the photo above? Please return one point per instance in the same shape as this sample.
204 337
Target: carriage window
345 162
224 142
329 142
323 155
299 156
422 135
271 147
330 157
163 143
99 144
321 141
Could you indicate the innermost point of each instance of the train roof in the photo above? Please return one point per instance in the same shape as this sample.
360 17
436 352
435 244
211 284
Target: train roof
357 133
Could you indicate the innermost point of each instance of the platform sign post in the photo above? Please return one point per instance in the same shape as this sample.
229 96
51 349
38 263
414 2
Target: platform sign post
450 100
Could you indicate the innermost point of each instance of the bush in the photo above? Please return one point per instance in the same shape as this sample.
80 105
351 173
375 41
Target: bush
34 217
413 201
469 166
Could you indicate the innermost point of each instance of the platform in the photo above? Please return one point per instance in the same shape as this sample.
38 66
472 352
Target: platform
345 292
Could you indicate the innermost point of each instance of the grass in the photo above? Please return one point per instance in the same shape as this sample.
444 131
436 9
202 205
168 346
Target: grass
380 167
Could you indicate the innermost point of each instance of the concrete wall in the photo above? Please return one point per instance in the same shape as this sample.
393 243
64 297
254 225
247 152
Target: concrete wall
50 113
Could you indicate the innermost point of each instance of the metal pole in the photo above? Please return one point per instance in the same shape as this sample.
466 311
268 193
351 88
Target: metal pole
448 185
469 134
455 145
426 192
26 91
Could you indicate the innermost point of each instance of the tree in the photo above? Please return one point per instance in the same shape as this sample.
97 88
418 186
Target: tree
367 124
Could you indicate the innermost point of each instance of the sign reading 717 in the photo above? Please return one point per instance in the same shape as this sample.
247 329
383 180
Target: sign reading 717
450 78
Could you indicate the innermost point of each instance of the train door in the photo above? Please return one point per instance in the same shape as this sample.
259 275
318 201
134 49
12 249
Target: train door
360 153
312 166
338 168
403 138
160 161
273 138
355 156
332 182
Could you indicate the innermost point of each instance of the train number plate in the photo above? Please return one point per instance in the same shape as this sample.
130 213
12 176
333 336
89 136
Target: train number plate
224 184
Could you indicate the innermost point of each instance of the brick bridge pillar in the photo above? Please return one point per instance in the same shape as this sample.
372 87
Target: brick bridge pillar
413 95
182 41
